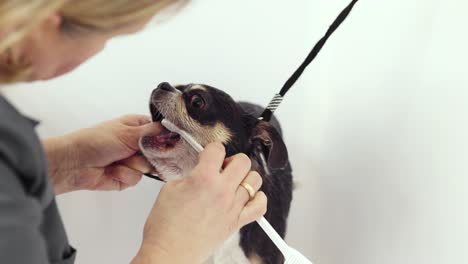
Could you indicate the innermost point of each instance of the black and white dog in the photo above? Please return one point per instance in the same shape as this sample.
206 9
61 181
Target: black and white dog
209 114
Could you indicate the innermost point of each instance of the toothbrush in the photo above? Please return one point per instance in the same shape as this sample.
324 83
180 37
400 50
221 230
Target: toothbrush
291 255
170 126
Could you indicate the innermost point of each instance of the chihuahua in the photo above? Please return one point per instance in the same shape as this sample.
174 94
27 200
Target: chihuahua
209 115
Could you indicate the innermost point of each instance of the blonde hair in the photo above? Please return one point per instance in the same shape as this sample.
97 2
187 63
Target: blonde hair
20 17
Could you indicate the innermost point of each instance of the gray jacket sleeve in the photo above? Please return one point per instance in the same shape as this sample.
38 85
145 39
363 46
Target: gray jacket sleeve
31 229
21 240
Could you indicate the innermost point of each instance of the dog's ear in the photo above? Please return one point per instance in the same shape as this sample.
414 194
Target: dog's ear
267 141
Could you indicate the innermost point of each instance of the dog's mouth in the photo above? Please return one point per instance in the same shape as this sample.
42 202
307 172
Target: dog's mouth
164 139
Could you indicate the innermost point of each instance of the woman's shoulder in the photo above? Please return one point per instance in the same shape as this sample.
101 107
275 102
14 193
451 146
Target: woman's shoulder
20 147
16 131
9 112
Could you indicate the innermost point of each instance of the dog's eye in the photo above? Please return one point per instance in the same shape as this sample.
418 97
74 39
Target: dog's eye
196 101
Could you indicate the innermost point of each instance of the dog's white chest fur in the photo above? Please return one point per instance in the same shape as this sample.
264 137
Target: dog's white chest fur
229 253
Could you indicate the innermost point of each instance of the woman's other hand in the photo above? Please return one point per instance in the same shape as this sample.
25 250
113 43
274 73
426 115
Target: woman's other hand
103 157
193 215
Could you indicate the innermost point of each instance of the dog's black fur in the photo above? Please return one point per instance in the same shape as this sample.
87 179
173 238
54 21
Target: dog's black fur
277 185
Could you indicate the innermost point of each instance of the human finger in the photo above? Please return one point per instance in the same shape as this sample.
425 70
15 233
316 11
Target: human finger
244 194
253 210
236 169
212 157
119 177
138 163
134 120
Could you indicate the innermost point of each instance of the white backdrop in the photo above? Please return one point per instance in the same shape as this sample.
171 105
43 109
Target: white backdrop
376 129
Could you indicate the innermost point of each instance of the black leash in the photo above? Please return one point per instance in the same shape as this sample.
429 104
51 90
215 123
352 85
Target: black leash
278 98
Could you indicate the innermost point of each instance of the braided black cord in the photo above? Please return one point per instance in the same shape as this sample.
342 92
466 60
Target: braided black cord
266 115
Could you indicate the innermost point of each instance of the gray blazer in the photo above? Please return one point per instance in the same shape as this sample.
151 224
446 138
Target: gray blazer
31 230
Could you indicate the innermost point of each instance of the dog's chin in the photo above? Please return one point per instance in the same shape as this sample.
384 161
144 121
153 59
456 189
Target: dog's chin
169 154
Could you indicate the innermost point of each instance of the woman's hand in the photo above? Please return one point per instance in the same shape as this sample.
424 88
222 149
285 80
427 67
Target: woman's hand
103 157
193 215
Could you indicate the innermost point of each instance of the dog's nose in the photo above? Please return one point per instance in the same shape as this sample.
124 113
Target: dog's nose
166 87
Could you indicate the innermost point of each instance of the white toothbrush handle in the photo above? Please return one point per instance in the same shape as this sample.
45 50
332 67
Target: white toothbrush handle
169 125
277 240
191 141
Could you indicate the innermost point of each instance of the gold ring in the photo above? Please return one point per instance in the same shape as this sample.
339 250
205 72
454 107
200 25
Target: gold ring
249 189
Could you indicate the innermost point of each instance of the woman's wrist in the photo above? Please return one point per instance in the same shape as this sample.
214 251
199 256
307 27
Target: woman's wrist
149 254
61 160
